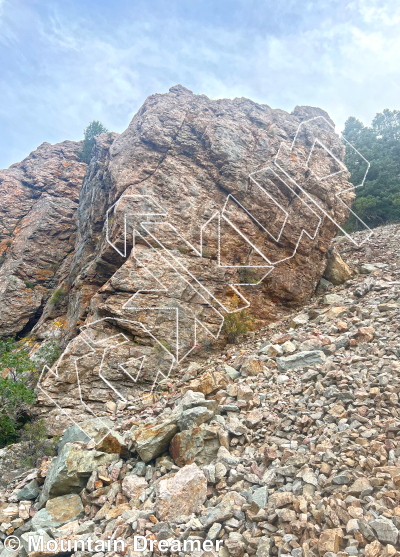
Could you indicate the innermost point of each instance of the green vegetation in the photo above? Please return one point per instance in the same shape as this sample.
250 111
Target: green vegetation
29 284
94 129
237 323
248 276
47 354
36 445
158 350
17 373
58 297
15 395
378 201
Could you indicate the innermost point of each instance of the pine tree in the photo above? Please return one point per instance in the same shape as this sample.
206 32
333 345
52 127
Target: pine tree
92 130
378 200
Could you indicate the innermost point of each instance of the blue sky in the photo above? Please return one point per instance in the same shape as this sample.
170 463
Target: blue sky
64 63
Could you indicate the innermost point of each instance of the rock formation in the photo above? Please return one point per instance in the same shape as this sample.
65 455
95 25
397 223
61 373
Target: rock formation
39 200
199 209
303 458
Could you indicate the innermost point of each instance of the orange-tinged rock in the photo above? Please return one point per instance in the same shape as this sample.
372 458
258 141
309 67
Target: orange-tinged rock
334 312
337 411
209 382
252 366
121 164
330 540
365 334
117 511
152 440
199 445
337 271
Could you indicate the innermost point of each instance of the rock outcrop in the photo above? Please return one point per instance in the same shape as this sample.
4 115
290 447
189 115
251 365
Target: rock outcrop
39 201
199 209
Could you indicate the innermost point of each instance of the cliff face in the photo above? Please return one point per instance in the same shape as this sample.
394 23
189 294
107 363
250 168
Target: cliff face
39 200
226 203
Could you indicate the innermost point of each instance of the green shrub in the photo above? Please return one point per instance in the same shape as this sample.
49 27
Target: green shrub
94 129
29 284
15 395
58 297
8 243
35 443
237 323
47 354
248 276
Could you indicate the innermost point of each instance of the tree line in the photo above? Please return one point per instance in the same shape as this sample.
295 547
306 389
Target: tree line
378 200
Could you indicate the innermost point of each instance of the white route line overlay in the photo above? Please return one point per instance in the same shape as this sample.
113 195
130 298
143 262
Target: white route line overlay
161 212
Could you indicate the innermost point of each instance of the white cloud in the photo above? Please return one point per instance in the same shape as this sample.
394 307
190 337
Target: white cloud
71 70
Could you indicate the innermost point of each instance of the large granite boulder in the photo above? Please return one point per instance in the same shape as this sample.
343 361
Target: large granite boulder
228 203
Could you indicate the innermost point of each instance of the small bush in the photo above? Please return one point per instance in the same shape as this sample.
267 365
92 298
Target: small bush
15 396
8 243
248 276
237 323
58 297
29 284
2 259
206 253
36 445
47 354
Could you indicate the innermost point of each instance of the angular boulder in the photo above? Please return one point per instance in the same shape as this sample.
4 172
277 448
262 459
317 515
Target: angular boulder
70 471
209 382
301 359
224 510
330 540
194 417
133 487
337 271
59 511
192 157
197 444
384 529
181 495
152 440
29 492
98 429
